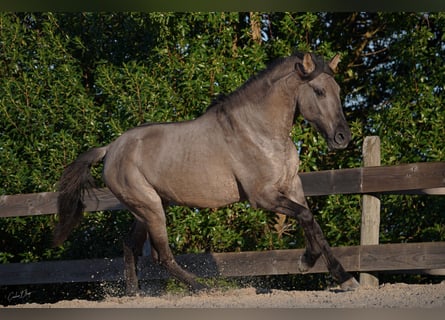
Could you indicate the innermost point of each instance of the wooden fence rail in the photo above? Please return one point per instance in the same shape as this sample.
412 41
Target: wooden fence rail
415 178
427 257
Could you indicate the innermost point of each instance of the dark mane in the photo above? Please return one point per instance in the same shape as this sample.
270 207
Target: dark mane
266 77
263 78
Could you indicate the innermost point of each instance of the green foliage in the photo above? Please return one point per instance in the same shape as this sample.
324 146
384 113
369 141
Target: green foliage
72 81
236 227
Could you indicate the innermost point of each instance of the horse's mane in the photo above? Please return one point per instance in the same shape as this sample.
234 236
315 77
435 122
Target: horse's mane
266 77
257 80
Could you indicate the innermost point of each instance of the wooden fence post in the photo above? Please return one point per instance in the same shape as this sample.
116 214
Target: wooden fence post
370 222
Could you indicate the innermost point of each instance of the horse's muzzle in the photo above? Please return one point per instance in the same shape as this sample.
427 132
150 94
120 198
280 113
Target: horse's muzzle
341 140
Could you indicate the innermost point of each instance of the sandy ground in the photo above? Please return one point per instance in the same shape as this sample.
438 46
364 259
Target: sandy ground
386 296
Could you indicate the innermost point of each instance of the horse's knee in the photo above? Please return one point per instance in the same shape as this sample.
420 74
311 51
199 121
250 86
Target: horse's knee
305 217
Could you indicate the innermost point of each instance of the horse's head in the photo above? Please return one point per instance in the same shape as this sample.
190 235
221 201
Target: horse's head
319 100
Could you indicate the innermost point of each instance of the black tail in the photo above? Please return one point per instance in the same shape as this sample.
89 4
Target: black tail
76 178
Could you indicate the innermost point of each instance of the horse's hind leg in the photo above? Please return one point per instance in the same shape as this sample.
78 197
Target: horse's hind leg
159 241
133 245
147 206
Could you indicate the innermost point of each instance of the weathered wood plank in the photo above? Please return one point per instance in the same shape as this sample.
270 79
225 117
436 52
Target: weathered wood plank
46 203
412 178
62 271
342 181
370 219
427 191
401 257
27 204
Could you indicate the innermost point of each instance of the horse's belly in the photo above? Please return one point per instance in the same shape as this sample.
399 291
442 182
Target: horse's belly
212 192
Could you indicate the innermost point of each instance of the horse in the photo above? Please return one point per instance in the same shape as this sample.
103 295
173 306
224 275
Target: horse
239 149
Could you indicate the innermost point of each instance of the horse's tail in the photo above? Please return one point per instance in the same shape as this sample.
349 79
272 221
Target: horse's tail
76 178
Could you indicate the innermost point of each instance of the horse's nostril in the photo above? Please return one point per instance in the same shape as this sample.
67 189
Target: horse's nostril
340 137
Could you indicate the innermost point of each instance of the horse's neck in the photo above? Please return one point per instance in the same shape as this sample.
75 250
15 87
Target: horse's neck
276 110
265 105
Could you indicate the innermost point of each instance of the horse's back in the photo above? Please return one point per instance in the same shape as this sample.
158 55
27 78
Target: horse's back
185 162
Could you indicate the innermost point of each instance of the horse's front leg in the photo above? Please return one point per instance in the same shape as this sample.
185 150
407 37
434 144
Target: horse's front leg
294 205
309 257
317 245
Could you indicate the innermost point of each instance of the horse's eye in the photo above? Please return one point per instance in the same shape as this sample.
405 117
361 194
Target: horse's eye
319 92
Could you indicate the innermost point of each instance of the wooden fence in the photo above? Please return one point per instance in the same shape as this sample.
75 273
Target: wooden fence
414 178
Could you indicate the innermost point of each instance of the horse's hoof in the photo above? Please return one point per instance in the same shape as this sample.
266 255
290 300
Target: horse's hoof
350 285
132 290
199 287
303 266
132 293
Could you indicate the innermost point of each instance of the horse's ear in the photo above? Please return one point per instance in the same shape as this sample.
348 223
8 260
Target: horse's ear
306 67
308 63
334 62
